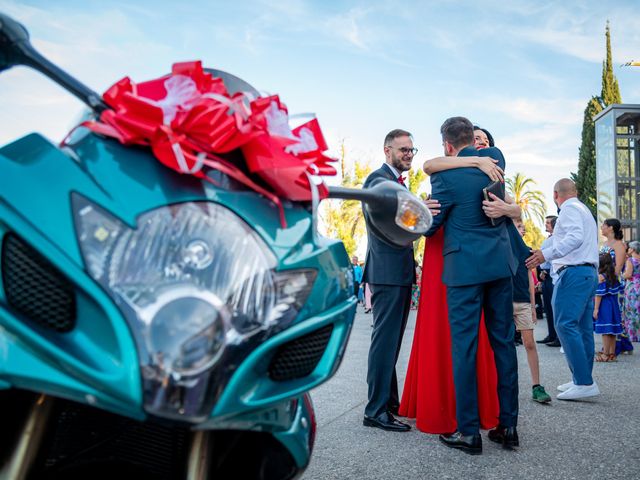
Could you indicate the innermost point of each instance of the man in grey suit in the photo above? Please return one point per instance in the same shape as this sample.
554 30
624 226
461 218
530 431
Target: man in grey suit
390 272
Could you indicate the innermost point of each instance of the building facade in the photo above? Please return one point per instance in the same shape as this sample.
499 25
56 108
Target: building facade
618 166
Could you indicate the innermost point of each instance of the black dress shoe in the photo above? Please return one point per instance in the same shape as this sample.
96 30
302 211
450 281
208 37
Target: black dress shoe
555 343
545 340
386 422
471 444
507 436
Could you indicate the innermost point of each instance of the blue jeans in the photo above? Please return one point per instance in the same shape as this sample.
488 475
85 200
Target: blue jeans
573 299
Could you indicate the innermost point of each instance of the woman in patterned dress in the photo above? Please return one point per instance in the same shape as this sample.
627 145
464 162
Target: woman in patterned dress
611 229
631 311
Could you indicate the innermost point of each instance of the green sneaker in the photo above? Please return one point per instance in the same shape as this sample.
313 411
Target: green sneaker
539 395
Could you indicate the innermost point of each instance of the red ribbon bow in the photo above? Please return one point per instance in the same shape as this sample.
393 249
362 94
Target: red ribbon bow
188 118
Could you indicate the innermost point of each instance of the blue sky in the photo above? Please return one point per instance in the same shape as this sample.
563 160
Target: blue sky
522 69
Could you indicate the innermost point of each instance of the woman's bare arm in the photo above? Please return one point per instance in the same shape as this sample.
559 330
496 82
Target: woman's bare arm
621 255
486 164
628 270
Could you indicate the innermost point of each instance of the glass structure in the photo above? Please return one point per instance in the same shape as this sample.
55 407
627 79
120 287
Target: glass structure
618 166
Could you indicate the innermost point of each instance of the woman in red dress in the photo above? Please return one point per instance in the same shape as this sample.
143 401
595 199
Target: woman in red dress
428 394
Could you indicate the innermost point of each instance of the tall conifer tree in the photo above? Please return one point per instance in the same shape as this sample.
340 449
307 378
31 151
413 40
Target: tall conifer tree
610 90
586 177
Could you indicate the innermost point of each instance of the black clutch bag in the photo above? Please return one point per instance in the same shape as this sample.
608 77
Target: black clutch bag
497 188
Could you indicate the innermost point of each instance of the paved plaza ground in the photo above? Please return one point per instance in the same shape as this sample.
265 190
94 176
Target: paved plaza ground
594 439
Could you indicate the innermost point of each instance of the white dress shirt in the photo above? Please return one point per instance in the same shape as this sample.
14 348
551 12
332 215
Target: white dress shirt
575 238
546 265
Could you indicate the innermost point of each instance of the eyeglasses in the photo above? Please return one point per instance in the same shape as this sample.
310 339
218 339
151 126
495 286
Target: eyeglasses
407 151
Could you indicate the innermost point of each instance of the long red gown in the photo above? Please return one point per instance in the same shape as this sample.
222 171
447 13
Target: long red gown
428 394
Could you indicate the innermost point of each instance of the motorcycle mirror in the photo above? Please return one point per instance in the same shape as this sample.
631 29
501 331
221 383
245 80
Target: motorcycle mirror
395 214
232 83
16 49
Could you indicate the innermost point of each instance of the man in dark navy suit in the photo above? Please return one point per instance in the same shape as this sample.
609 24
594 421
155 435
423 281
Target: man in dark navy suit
478 266
390 272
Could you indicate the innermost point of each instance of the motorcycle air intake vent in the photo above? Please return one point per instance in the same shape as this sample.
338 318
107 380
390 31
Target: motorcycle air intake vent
86 442
34 288
299 357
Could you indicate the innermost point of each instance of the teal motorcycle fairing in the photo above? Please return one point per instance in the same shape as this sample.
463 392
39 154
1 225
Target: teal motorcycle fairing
97 362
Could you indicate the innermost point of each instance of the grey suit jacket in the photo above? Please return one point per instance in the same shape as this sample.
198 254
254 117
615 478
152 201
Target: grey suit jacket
386 264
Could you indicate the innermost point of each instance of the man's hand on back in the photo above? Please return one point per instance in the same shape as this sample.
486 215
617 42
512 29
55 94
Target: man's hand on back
433 205
535 259
496 208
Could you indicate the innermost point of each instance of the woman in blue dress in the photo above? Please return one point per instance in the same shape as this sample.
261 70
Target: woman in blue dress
606 313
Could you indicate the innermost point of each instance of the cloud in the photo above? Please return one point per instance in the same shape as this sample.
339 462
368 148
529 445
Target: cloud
536 111
545 153
287 8
548 128
349 26
543 136
250 40
578 30
581 45
93 47
358 30
346 27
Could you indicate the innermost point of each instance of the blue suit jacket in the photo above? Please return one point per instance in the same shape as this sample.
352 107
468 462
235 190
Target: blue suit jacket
386 264
474 250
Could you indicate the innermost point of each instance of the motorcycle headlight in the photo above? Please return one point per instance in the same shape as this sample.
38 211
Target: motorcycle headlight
193 280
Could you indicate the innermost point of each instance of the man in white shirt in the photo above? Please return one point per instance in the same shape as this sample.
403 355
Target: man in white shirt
573 253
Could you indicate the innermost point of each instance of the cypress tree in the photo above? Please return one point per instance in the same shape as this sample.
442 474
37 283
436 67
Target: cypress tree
586 177
610 89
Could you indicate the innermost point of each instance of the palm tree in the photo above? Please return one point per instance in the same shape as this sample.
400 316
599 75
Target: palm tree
532 202
343 219
416 179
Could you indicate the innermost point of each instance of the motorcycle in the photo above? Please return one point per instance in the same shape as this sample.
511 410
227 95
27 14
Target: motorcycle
159 324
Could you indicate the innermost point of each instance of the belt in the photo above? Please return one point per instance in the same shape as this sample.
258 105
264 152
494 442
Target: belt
564 267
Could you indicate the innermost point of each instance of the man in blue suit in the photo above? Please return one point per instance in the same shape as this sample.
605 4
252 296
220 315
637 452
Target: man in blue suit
390 272
478 266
